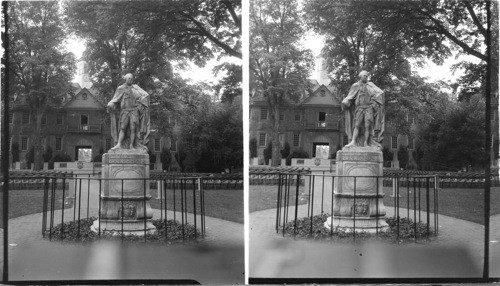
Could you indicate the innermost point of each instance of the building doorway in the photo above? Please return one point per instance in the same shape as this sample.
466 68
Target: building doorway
321 150
83 153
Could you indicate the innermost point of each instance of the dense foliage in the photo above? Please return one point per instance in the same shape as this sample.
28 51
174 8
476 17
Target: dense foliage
212 134
80 231
402 229
279 66
452 135
40 69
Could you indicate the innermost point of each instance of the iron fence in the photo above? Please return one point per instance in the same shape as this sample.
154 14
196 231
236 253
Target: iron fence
414 198
69 197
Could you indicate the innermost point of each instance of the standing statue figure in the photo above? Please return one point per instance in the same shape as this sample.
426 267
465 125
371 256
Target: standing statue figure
130 122
364 111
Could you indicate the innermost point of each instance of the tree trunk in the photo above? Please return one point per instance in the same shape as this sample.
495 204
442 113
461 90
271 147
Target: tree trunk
38 159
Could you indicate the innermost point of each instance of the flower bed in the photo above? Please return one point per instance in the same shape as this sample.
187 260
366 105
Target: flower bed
173 234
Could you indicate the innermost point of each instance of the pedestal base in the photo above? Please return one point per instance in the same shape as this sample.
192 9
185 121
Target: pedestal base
125 196
362 224
130 227
358 191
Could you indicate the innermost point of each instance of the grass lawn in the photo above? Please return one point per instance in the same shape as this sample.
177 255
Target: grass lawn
263 197
466 204
25 202
223 204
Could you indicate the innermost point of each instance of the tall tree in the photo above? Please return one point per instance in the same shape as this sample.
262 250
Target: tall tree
146 36
416 29
452 134
229 87
215 137
279 66
40 68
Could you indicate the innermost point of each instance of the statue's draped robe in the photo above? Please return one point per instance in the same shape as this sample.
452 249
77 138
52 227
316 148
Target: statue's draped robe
142 104
377 98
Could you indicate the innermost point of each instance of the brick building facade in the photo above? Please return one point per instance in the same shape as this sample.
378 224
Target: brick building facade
78 127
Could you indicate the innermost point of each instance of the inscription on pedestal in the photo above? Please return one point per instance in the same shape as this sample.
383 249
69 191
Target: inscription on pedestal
361 208
128 211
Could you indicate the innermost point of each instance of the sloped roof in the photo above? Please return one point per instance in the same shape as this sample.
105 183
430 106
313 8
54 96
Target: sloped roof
20 100
322 95
85 98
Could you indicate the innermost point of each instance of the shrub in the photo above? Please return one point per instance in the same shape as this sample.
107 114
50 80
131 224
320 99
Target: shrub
302 229
165 158
403 156
173 229
30 156
268 153
253 148
297 153
98 158
47 155
387 154
285 151
180 156
61 158
15 152
152 157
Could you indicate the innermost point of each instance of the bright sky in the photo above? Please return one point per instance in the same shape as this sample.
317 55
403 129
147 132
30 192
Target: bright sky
434 72
192 72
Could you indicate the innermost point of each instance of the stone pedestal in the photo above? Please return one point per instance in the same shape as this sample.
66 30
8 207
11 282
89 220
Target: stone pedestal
356 203
125 200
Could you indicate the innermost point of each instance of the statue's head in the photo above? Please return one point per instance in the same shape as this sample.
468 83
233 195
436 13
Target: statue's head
363 75
129 78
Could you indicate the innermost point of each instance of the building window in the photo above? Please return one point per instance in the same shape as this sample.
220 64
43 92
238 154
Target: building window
173 146
24 143
26 118
44 119
394 142
59 119
58 143
108 143
262 139
411 144
322 116
263 113
296 139
297 117
172 120
493 115
11 117
84 119
157 145
282 115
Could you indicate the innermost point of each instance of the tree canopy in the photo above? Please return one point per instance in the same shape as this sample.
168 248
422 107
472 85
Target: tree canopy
39 66
381 36
145 37
452 134
279 66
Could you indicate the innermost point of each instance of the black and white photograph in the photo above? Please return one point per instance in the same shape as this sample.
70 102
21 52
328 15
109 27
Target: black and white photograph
230 142
123 142
373 140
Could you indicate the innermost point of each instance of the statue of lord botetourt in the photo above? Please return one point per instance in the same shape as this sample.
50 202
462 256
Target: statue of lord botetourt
124 201
358 190
129 111
364 111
